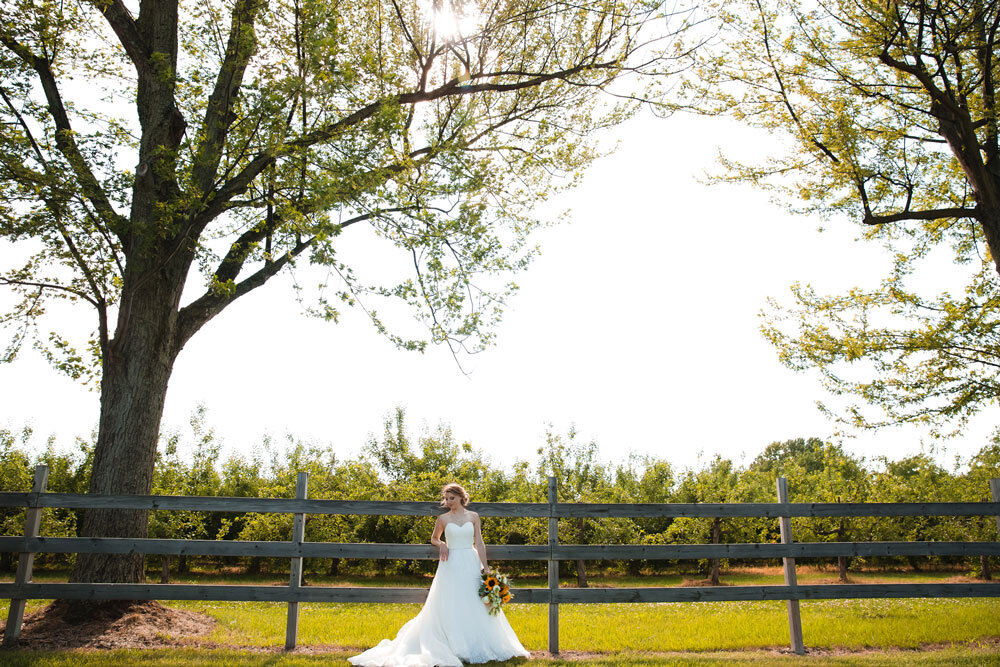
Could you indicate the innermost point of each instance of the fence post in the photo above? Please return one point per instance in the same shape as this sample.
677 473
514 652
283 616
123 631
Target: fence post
295 580
553 570
995 494
26 560
794 619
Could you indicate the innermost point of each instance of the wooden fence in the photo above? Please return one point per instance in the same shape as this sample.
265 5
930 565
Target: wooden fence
297 548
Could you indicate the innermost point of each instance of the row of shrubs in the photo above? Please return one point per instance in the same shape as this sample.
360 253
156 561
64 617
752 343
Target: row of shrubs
397 466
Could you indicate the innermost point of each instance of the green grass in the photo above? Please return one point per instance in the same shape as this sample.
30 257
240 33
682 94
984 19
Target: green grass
951 657
703 626
865 632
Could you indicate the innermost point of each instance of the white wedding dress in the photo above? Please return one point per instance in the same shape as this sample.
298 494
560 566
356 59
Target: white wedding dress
453 626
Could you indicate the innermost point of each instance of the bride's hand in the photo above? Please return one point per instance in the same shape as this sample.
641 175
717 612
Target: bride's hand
443 552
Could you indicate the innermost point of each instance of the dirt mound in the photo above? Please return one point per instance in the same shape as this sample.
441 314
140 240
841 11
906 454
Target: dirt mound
62 625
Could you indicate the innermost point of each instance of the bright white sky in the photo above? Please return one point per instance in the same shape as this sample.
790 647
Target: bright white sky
638 324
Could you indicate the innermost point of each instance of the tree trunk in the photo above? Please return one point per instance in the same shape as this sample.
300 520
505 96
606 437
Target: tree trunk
137 361
136 368
253 565
6 561
334 567
984 568
581 574
716 535
842 560
989 218
165 569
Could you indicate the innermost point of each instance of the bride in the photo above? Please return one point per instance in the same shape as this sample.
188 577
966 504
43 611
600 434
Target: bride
453 626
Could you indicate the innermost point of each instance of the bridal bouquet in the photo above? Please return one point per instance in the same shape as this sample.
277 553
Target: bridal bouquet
494 591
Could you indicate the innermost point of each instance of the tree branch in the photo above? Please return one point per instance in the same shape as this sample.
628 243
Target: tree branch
936 214
784 93
219 114
241 181
65 142
120 19
54 286
194 316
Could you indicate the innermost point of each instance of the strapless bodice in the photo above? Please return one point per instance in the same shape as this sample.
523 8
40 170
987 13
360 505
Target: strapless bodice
459 536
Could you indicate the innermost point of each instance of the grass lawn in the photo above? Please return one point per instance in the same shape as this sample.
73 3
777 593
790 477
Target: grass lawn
703 626
864 632
956 657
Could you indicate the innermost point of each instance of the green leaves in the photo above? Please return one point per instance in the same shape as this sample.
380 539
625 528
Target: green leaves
891 112
239 136
911 358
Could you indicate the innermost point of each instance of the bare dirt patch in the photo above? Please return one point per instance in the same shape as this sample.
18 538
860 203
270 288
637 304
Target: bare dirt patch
698 583
136 625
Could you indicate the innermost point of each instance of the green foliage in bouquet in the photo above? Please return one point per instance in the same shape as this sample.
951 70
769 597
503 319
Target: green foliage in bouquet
494 591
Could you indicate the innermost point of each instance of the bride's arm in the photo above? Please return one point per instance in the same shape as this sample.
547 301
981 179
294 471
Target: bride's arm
437 541
480 545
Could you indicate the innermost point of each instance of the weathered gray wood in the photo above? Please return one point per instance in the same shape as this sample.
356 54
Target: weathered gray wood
553 569
772 510
8 499
295 578
35 591
561 510
264 505
749 593
250 548
26 561
794 550
539 552
214 592
297 549
794 617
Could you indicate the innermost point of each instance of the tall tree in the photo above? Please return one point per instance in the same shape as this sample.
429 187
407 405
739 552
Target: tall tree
143 143
892 114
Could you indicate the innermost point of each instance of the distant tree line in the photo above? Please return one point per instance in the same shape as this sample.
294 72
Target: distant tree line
399 467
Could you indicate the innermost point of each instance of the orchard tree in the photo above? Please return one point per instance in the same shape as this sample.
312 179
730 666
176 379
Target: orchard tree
160 161
581 477
817 472
714 482
975 487
891 112
910 480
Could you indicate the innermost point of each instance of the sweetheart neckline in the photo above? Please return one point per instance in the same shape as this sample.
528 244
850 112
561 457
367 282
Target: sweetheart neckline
455 523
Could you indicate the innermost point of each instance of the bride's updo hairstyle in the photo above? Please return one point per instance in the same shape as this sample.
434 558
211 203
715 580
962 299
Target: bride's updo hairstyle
456 489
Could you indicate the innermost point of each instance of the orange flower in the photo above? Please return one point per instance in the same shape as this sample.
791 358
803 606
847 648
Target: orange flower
506 597
491 581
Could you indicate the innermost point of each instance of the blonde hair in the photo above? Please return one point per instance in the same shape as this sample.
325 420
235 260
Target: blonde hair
456 489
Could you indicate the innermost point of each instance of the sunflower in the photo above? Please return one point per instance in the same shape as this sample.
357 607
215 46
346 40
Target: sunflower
491 581
506 597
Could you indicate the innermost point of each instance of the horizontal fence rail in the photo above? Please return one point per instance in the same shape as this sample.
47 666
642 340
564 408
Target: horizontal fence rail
231 593
297 548
267 549
530 510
